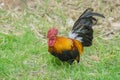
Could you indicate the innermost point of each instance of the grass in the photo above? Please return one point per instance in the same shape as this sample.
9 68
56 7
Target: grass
24 55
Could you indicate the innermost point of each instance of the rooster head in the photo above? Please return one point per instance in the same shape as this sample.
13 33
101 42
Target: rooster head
52 33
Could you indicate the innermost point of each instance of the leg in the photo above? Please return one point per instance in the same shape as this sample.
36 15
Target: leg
78 59
70 61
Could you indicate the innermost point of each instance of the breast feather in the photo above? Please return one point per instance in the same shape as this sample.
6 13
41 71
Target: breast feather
62 44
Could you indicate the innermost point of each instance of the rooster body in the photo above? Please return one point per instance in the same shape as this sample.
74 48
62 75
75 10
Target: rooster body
66 49
81 35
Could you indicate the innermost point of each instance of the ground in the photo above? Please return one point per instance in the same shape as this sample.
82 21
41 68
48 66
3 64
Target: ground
23 43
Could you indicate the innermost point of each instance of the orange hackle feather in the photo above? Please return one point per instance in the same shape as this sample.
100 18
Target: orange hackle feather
66 44
63 43
79 46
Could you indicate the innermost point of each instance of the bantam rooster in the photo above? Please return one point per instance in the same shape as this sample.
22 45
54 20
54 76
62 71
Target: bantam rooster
81 35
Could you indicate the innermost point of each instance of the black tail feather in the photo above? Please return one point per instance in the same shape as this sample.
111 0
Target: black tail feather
83 26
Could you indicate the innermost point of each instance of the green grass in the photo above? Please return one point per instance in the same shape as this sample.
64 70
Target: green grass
24 56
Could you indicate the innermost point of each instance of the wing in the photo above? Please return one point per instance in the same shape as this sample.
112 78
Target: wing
67 55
